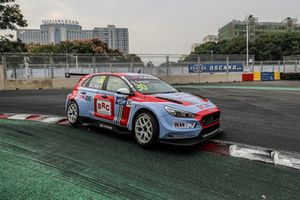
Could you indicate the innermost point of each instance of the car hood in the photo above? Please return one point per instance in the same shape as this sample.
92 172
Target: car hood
182 98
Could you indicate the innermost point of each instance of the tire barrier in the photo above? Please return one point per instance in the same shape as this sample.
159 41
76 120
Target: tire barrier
290 76
262 76
256 76
277 76
267 76
248 77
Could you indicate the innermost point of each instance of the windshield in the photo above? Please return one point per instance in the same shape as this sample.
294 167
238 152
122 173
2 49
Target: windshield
146 84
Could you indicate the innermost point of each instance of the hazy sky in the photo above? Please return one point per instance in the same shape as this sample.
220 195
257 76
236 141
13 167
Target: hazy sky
158 26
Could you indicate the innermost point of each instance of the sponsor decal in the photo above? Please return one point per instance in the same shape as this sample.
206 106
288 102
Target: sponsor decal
86 98
205 106
120 114
121 101
211 110
104 107
129 102
178 124
215 67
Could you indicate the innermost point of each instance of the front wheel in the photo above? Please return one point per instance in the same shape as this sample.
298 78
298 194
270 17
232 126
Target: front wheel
146 129
73 113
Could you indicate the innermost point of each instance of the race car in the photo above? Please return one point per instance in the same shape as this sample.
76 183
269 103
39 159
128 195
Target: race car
144 105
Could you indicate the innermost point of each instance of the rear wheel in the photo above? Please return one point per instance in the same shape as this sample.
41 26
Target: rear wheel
73 113
146 129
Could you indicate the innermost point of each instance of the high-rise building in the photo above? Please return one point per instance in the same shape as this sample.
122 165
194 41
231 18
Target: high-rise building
115 38
237 28
56 31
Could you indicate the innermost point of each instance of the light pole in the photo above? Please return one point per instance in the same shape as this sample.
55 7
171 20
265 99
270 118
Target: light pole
247 41
211 55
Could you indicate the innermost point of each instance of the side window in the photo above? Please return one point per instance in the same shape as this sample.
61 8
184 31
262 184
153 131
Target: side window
86 82
114 83
97 82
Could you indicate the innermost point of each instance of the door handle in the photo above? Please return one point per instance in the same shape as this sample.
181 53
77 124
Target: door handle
83 92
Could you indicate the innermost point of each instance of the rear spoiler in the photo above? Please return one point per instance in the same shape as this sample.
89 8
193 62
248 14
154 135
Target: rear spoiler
68 75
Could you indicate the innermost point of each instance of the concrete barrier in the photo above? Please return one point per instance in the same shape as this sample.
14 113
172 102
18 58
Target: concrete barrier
67 83
202 78
30 84
2 77
64 83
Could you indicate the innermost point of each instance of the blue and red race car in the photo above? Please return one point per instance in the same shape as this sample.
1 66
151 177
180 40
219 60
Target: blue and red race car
151 109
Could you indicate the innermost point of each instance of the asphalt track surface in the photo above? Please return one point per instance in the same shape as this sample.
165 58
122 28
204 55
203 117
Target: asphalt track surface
268 117
47 161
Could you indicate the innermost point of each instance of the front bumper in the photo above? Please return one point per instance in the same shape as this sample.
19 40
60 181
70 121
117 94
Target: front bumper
204 135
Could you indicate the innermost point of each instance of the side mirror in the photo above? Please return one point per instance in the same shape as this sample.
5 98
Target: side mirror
124 91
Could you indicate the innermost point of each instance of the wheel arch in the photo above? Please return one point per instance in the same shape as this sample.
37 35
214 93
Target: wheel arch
68 102
141 110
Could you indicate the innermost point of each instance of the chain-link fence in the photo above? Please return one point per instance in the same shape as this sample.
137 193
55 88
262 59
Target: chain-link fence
20 66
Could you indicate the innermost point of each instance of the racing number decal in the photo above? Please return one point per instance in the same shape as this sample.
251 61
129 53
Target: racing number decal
141 87
104 107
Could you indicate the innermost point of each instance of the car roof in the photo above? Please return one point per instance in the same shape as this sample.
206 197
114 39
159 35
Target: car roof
119 74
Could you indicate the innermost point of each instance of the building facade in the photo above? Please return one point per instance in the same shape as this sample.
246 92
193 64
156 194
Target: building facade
210 38
194 46
56 31
237 28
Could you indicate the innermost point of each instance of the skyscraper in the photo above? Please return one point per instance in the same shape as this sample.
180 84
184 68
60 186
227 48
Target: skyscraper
56 31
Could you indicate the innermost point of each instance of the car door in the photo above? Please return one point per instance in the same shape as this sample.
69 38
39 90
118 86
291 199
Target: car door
93 88
109 105
83 99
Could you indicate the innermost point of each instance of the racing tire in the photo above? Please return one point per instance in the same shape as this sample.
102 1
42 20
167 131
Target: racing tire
73 113
146 129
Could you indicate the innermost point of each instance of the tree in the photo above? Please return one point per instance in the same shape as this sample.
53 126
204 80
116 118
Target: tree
91 46
10 15
268 46
11 18
12 46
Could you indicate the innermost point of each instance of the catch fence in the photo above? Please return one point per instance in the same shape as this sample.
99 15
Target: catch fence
20 66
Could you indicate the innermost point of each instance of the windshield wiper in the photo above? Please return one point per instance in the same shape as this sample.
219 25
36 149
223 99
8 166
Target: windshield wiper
168 92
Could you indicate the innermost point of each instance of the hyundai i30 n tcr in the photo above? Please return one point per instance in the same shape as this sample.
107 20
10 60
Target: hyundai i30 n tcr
144 105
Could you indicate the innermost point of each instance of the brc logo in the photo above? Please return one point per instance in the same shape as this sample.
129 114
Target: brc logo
104 107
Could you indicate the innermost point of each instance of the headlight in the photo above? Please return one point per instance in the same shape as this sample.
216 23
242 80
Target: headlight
179 113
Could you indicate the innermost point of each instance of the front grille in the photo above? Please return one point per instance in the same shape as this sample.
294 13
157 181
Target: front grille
210 129
211 118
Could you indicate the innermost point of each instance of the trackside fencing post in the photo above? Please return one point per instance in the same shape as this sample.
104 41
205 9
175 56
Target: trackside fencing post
94 64
199 68
227 68
131 64
3 73
52 65
168 64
